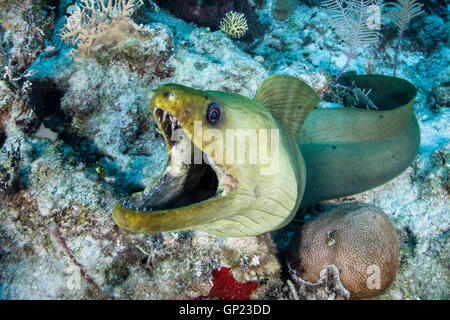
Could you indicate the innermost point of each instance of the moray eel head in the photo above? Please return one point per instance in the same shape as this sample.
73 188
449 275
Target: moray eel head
206 187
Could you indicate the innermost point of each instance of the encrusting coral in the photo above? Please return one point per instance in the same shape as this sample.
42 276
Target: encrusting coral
96 24
358 239
227 288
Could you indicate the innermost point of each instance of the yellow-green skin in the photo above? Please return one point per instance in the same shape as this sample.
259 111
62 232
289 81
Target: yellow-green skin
339 152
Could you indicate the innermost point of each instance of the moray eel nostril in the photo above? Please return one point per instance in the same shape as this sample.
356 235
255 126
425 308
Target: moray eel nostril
314 155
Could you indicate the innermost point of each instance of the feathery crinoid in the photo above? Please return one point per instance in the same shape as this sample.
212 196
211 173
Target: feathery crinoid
350 19
401 14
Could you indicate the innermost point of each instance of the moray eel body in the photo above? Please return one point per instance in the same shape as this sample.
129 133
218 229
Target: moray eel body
302 155
348 151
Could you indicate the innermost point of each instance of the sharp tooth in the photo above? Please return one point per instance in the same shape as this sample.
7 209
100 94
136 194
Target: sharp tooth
154 110
164 116
159 119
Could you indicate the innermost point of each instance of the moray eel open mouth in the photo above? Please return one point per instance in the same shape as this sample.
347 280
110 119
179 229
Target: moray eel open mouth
183 182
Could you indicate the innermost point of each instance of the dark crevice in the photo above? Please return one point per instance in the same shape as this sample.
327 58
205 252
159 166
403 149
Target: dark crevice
411 239
45 99
408 244
2 139
46 103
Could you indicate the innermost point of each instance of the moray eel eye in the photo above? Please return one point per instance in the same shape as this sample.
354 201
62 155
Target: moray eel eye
170 95
214 114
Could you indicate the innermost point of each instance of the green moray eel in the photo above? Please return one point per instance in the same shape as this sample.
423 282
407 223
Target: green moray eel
305 155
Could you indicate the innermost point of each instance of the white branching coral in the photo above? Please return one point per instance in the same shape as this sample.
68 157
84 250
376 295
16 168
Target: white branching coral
234 24
98 23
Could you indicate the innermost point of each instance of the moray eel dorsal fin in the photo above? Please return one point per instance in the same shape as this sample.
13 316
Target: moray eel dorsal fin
289 100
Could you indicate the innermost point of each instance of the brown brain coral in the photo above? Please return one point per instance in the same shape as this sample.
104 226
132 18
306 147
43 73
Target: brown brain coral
359 239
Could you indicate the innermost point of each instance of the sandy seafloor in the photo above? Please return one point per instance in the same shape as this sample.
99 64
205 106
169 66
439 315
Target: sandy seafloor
76 135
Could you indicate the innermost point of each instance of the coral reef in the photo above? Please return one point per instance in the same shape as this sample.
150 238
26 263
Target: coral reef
358 239
210 14
351 19
9 168
57 236
203 13
440 93
328 287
